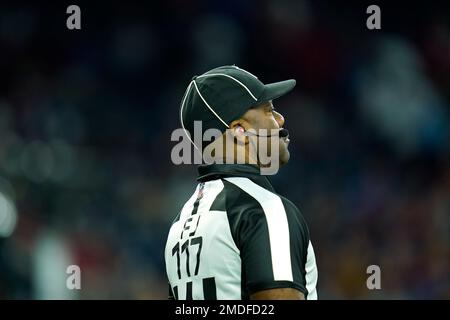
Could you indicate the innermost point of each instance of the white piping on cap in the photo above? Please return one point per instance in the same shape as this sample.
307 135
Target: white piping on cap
198 91
181 113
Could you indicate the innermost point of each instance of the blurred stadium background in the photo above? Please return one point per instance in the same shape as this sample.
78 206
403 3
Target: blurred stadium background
86 118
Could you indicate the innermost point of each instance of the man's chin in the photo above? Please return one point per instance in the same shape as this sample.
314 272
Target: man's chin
284 158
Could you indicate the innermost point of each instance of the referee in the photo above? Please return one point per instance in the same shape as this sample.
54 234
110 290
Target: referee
236 238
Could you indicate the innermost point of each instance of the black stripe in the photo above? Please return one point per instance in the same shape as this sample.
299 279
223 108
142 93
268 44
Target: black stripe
199 197
195 209
209 288
219 203
245 214
189 290
175 292
252 288
299 242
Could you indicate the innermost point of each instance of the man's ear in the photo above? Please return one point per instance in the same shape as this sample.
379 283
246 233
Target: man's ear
237 130
238 127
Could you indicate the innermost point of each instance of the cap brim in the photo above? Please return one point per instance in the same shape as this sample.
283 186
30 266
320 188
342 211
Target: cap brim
277 89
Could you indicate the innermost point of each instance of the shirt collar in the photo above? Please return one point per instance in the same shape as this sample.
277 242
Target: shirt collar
218 171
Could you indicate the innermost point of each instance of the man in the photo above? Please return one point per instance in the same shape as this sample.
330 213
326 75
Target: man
236 238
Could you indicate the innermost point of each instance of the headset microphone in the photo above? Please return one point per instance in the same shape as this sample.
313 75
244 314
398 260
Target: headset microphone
282 133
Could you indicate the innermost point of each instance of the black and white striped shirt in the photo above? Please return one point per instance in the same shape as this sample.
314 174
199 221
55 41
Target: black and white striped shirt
236 236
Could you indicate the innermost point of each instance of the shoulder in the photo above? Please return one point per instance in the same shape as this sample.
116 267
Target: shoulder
247 203
297 221
293 211
244 193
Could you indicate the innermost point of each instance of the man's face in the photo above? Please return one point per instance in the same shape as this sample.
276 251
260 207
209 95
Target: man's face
265 117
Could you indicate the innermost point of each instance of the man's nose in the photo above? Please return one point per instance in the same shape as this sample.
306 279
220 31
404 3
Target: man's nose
279 118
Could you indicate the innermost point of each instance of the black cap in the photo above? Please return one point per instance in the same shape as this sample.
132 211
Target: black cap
224 94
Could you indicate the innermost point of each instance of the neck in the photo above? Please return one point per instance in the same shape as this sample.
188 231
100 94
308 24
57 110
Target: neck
229 151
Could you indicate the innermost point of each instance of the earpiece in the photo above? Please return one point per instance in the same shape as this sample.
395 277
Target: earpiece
239 129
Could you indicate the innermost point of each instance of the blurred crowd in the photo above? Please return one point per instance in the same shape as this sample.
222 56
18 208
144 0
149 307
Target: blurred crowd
86 118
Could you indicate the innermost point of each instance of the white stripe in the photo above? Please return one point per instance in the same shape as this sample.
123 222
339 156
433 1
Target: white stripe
181 114
277 224
198 91
225 75
224 260
311 273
